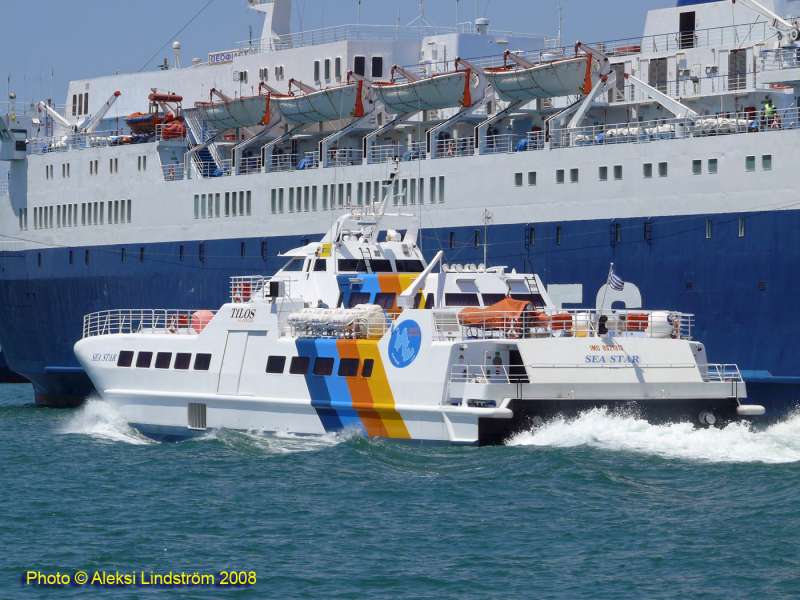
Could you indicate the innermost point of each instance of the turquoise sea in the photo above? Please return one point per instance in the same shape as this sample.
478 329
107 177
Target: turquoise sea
600 507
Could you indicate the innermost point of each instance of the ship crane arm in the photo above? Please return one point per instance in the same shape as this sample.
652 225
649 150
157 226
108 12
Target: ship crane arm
410 77
678 109
55 115
782 25
90 125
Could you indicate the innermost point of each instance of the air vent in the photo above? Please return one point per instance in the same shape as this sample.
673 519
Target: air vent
197 416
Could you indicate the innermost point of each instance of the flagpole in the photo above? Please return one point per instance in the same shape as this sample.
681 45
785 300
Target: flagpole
603 301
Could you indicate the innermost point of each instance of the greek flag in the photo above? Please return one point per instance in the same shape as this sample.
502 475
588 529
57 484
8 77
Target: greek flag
614 282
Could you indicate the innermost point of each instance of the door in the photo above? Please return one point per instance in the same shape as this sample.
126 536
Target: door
232 361
688 24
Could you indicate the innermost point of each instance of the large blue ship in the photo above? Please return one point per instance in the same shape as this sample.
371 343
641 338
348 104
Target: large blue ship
669 154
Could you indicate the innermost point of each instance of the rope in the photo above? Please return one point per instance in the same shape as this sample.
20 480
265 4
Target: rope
177 33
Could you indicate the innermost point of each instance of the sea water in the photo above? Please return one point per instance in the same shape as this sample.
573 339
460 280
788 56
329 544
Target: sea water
601 506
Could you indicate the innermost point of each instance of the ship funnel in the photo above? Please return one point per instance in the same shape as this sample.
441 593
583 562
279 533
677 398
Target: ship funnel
277 20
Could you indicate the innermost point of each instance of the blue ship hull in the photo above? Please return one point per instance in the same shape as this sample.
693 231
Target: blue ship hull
741 287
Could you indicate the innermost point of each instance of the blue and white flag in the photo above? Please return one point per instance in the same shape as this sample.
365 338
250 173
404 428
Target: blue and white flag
614 282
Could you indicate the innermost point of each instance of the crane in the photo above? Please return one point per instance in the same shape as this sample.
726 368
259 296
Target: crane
89 124
781 25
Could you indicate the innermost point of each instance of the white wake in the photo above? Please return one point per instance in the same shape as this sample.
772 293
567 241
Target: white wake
100 420
736 443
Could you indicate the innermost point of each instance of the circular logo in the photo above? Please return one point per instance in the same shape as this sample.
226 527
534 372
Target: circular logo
405 343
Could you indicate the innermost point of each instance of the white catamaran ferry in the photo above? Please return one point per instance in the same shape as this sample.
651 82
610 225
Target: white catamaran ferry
358 332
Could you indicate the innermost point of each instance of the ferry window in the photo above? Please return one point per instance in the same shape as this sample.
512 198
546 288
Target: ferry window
657 74
385 300
276 364
202 362
697 167
409 266
352 264
338 69
182 361
242 249
299 365
602 173
380 266
648 231
766 162
144 359
647 170
327 69
558 235
476 238
357 298
348 367
560 176
441 190
574 175
323 366
86 257
264 249
617 233
273 201
321 265
377 66
360 65
201 251
489 299
750 164
86 103
163 359
663 169
452 240
430 301
316 71
74 105
532 178
713 166
741 227
122 254
617 172
709 229
295 265
369 366
433 190
518 179
141 254
534 299
227 204
461 299
125 358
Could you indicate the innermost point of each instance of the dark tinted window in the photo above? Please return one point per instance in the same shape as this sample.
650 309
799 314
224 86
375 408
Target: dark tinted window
380 266
321 265
360 65
489 299
125 358
430 301
276 364
183 360
369 364
143 360
384 300
323 366
461 299
352 264
409 266
202 362
358 298
299 365
348 367
534 299
377 66
294 265
163 359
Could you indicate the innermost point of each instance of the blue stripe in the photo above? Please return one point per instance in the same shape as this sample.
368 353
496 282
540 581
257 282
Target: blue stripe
320 397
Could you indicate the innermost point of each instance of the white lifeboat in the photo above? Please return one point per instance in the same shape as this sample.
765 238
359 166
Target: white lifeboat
232 113
318 106
461 87
525 81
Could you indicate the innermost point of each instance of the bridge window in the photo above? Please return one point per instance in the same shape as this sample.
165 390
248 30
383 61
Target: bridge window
299 365
323 366
453 299
380 265
409 266
348 367
276 364
202 362
360 65
144 359
377 67
125 358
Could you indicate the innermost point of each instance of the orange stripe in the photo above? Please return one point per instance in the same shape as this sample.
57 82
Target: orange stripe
360 394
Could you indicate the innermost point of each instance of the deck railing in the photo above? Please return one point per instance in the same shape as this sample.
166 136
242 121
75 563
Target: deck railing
782 58
178 321
719 373
453 324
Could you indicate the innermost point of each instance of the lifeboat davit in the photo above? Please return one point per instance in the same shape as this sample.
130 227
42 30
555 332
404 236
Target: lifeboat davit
232 113
563 77
441 90
318 106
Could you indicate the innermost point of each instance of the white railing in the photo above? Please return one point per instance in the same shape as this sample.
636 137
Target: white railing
487 374
345 157
783 58
385 153
721 373
245 288
667 129
283 162
252 164
113 322
83 141
169 132
452 148
350 327
470 323
3 188
174 172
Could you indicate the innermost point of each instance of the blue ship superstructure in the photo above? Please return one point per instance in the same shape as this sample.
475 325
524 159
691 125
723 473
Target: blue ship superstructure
670 154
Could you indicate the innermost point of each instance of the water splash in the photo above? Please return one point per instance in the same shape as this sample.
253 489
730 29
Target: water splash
100 420
736 443
277 443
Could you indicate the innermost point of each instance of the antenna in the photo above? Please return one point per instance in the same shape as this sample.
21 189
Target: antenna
421 19
358 11
560 12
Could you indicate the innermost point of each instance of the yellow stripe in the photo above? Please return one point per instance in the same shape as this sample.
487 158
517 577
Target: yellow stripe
381 392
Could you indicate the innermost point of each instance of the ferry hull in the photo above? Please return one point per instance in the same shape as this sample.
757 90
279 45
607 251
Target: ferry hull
739 288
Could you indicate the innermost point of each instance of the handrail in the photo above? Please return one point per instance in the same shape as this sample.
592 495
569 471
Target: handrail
127 321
